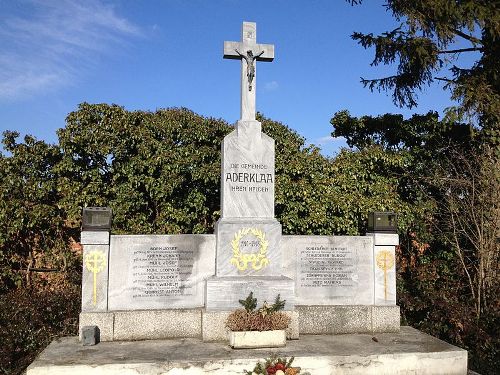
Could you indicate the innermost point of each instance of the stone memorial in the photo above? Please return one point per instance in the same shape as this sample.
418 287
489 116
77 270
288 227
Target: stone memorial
249 256
164 286
183 287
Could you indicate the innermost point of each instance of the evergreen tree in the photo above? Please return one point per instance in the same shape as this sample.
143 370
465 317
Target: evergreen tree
456 42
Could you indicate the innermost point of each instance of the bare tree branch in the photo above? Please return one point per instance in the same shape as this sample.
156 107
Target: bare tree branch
468 37
460 50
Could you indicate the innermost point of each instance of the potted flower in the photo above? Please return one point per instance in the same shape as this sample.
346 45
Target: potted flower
276 366
258 328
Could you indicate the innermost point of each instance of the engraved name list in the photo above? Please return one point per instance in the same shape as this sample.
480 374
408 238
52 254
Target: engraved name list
162 271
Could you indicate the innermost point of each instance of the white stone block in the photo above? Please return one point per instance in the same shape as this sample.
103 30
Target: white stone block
156 324
384 275
94 237
95 278
223 293
330 270
248 247
406 352
149 272
213 325
385 319
334 320
247 177
381 239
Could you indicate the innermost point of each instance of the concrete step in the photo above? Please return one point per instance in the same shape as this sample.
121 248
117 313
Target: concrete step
406 352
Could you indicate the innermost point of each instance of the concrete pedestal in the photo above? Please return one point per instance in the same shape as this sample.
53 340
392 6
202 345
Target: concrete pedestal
406 352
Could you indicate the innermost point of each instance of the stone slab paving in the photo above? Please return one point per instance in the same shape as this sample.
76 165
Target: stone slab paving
406 352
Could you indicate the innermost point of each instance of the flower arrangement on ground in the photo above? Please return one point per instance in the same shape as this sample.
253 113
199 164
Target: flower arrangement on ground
266 318
275 365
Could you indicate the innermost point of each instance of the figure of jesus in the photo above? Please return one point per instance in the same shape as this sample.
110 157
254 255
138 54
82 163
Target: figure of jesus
250 58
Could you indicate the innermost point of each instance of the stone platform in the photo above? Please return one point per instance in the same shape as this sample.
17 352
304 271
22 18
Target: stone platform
210 325
406 352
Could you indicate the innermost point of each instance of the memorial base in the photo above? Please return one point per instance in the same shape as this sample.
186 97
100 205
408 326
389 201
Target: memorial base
335 320
210 325
144 324
406 352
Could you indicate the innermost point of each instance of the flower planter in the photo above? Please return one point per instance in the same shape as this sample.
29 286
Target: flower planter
257 339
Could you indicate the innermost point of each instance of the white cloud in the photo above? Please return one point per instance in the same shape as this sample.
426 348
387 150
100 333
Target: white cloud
329 145
327 139
269 86
55 43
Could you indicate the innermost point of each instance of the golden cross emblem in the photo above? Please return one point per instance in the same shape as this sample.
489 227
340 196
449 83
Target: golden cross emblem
385 261
95 261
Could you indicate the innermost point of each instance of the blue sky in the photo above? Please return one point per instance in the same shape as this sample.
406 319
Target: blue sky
155 54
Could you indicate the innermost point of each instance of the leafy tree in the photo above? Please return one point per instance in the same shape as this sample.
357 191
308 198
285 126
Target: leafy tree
448 261
457 42
159 172
31 318
469 201
32 236
317 195
420 133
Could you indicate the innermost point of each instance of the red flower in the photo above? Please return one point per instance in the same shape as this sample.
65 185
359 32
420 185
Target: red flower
280 366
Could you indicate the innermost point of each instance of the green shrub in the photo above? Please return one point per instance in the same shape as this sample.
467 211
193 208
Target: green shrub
30 320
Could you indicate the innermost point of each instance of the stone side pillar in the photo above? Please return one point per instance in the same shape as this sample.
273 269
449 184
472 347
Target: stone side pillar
95 271
384 268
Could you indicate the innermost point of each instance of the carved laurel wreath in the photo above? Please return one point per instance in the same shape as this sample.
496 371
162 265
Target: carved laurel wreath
241 260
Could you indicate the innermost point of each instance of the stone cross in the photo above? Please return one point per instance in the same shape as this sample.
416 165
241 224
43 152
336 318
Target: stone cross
248 51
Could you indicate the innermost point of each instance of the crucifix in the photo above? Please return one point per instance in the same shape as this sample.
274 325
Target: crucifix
249 52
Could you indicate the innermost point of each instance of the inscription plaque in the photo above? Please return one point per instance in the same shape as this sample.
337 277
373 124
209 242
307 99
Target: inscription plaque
330 270
329 266
253 178
159 271
162 271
